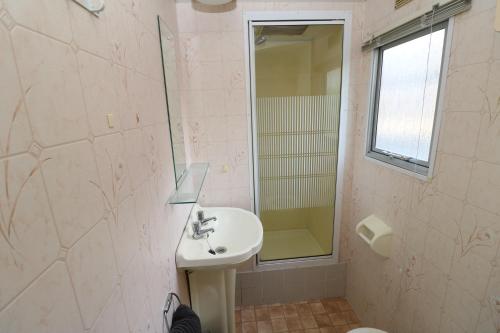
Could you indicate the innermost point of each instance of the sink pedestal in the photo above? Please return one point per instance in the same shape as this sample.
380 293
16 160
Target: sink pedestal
212 298
235 236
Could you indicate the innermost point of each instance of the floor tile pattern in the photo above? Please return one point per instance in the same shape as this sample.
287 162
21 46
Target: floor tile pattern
330 315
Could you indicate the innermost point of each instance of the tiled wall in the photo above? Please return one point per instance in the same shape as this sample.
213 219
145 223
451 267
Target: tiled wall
290 285
86 240
443 274
213 93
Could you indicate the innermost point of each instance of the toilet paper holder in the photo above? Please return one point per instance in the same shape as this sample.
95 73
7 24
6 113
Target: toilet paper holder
376 234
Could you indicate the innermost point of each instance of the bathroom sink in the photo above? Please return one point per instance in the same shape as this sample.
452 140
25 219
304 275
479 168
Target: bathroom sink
237 236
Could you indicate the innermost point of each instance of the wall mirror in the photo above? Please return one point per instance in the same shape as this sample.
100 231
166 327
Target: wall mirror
167 45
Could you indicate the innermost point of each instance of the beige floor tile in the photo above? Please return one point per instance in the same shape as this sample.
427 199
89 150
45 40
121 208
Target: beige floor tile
249 327
290 310
247 315
337 319
322 320
331 315
276 311
309 322
343 305
303 309
330 305
262 314
264 326
279 325
293 323
317 307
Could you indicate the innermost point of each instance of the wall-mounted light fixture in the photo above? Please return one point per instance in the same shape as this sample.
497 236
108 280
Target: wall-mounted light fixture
214 2
93 6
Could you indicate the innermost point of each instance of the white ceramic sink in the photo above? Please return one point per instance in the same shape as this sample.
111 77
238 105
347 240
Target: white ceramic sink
237 230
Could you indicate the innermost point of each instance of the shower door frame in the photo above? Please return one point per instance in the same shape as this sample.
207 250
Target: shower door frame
252 19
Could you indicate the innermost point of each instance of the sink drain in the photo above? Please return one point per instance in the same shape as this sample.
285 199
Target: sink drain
220 249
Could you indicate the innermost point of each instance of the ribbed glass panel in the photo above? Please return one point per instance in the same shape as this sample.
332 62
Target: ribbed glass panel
297 145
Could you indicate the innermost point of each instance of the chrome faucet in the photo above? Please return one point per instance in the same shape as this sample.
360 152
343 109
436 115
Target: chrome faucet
202 219
198 232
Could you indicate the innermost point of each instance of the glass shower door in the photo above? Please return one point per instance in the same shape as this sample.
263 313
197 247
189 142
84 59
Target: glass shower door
297 77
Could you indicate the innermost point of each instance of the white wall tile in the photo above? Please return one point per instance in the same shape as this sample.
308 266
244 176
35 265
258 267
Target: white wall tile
461 307
453 175
489 320
113 317
186 21
459 133
15 134
439 250
46 306
233 46
149 62
76 177
129 114
113 172
135 157
479 233
466 87
471 272
234 75
445 214
28 239
90 31
458 205
122 34
49 76
47 16
75 192
484 190
99 93
488 146
135 298
124 233
92 267
475 30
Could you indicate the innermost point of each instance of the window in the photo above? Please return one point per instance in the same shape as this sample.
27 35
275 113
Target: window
405 99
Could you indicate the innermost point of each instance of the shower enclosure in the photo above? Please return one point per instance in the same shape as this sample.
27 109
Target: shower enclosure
297 75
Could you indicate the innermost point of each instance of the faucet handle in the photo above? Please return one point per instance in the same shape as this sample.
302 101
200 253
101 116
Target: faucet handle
201 215
196 226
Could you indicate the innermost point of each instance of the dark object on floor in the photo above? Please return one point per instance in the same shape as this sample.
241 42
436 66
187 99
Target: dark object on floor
185 320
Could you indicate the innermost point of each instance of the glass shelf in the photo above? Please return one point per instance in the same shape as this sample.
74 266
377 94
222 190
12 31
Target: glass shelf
190 184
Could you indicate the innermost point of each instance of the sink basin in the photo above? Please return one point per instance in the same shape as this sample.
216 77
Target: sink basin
237 237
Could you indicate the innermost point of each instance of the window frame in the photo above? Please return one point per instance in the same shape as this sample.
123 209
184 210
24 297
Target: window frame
418 168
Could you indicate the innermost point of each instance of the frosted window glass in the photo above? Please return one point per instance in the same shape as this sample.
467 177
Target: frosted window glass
407 96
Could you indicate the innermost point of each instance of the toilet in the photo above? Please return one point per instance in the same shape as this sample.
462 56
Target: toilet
366 330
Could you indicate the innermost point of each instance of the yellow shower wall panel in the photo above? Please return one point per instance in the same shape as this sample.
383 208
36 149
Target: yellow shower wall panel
326 56
320 224
284 219
288 77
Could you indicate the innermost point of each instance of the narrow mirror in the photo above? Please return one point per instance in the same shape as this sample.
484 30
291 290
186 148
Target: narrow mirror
167 43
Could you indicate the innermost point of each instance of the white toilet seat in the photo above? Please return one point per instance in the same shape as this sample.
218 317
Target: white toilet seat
366 330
